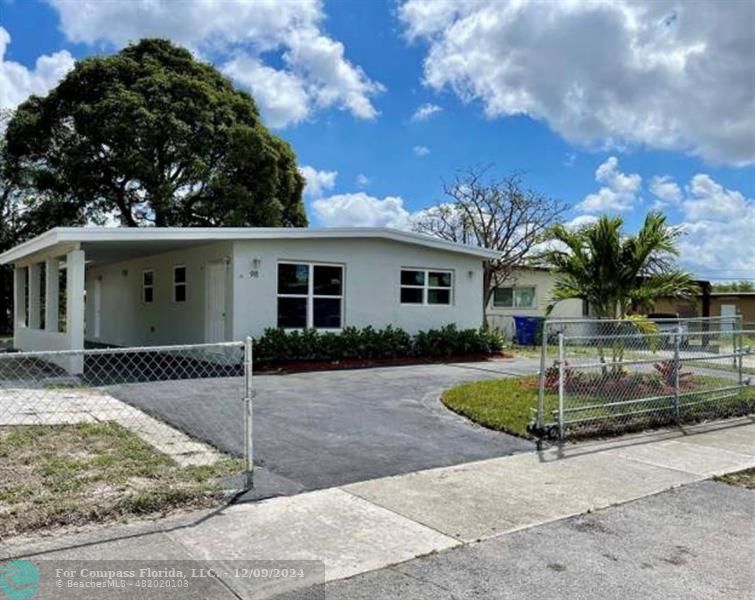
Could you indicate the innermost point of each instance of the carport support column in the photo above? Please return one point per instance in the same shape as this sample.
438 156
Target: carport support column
19 302
52 292
35 300
75 307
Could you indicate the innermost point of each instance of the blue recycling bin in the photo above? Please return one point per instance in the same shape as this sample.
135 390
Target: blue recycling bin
527 330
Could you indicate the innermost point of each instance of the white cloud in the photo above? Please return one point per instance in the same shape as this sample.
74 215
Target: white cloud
581 221
718 224
425 111
282 95
361 210
619 192
17 82
647 72
666 190
362 180
317 182
238 34
709 200
421 151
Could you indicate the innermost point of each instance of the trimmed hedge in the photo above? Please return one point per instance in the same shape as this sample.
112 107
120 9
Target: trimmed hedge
279 345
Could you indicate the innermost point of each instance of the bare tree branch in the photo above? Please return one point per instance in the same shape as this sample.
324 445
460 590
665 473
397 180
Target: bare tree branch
499 214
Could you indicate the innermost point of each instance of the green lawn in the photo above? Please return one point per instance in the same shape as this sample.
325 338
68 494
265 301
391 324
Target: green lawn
500 404
509 404
58 475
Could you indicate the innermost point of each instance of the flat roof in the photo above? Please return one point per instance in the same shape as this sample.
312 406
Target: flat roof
162 239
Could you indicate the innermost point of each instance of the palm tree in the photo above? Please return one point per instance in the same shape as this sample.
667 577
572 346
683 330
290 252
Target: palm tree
615 271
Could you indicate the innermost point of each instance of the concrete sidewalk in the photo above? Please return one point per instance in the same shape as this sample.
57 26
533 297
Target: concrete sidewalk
372 524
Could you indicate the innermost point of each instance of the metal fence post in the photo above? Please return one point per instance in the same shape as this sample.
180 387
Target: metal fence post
677 368
560 387
249 412
540 417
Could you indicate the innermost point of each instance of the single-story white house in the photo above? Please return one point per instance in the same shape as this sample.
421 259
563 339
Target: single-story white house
155 286
528 293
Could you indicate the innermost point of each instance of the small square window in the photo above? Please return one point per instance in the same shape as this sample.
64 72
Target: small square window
426 287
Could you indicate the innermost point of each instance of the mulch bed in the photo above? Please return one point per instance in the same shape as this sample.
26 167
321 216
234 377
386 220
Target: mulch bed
302 366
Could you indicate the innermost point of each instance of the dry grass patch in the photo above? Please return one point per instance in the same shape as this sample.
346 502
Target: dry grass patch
745 479
60 475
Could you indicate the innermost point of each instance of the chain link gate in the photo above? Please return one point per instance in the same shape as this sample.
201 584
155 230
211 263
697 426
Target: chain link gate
191 403
611 376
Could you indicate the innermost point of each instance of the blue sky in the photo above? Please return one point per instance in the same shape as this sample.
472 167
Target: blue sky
611 107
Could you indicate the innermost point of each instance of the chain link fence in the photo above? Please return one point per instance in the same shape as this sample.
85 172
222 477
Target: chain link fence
180 413
606 377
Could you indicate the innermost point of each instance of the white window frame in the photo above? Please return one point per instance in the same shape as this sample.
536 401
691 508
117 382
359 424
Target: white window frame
513 289
178 284
145 287
426 287
310 295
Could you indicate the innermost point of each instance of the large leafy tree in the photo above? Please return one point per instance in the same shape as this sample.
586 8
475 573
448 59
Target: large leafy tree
615 271
151 136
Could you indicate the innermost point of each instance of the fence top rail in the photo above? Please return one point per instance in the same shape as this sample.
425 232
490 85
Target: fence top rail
567 320
118 350
664 334
710 358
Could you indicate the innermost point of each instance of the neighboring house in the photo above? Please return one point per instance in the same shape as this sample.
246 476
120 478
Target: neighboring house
736 305
528 293
740 304
153 286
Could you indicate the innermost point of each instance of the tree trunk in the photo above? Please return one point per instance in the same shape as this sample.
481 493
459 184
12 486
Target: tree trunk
487 292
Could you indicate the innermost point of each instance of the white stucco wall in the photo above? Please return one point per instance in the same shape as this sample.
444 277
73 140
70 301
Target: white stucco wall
127 321
543 281
371 288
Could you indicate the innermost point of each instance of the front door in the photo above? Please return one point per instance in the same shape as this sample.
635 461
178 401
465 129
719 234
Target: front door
215 284
729 316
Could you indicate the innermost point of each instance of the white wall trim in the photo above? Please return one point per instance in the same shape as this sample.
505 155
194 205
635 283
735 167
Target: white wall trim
61 236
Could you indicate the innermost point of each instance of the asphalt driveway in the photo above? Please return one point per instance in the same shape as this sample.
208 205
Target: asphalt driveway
323 429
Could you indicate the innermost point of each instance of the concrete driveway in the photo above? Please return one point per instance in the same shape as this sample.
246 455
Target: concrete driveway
323 429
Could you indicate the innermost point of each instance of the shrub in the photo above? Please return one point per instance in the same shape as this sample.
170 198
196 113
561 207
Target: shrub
279 345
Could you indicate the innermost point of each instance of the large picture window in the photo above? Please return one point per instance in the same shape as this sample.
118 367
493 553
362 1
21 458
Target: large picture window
420 286
514 297
310 296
